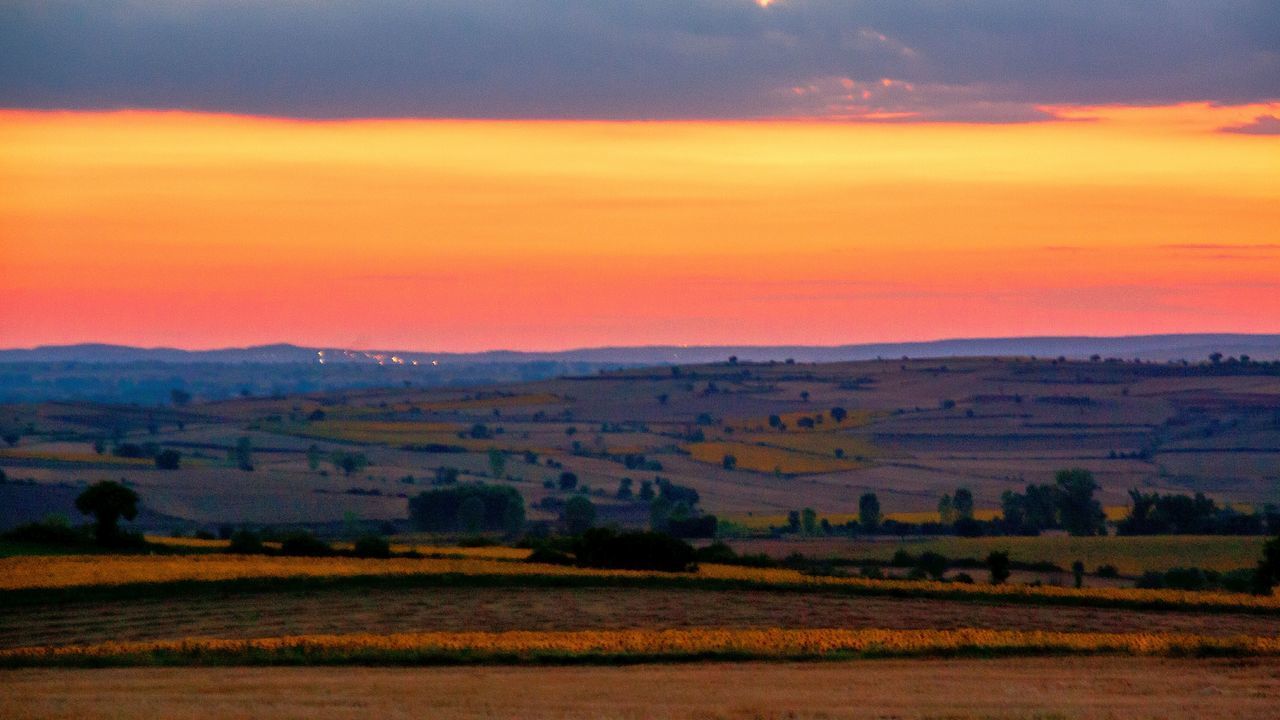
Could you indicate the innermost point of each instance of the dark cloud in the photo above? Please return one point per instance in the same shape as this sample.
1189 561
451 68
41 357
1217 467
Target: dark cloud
993 60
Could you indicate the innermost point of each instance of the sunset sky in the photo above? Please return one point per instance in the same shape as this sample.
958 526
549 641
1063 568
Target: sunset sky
476 175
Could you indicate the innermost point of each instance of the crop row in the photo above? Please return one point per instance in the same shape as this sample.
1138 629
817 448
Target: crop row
632 646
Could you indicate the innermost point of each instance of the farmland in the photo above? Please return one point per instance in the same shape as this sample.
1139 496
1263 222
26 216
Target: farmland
755 444
1090 688
910 430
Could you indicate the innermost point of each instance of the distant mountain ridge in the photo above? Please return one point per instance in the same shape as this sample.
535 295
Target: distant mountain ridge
1146 347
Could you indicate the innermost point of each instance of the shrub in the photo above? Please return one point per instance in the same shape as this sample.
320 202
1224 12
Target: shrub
998 565
372 546
1107 571
168 459
304 544
50 532
245 542
932 563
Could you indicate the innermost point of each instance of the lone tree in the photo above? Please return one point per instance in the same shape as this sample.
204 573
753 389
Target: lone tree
839 414
869 511
107 502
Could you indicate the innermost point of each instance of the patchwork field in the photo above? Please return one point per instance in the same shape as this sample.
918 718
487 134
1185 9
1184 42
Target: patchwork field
909 430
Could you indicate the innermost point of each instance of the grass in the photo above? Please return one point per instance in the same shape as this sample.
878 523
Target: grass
629 646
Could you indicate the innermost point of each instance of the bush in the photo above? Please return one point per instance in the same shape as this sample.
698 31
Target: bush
998 565
1107 571
932 563
245 542
372 546
49 532
603 548
304 544
168 459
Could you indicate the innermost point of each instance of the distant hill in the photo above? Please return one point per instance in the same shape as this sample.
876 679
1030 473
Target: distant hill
1145 347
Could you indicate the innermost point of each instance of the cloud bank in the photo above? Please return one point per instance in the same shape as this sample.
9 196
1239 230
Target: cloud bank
910 59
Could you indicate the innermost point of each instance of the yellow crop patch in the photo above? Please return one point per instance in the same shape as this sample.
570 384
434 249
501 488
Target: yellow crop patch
761 458
761 643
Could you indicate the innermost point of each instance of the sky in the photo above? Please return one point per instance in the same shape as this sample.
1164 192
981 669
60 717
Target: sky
468 175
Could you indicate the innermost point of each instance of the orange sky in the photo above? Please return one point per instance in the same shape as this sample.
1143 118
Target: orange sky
157 228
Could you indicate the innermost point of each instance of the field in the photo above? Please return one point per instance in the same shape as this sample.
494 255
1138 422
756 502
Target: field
167 627
1093 688
912 431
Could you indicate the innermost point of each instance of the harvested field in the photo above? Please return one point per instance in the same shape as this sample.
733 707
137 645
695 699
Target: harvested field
385 611
1085 688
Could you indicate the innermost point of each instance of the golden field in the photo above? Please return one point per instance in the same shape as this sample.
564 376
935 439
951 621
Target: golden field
766 459
1021 688
18 573
770 643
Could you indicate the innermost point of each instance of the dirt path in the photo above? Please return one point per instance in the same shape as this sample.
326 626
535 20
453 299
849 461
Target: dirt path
382 611
1084 688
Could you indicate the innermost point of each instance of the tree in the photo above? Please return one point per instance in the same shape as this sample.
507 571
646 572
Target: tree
471 514
488 507
1268 573
107 502
963 504
775 421
497 463
1079 513
793 521
349 462
579 515
179 397
998 565
804 395
242 454
869 511
624 489
809 520
568 481
1077 571
729 462
168 459
314 456
946 510
839 414
646 490
933 564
